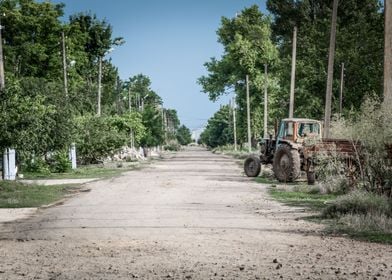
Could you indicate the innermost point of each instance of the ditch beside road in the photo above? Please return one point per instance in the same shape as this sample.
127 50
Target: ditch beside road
190 216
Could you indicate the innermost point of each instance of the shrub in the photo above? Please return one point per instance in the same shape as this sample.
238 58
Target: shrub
60 163
97 138
172 145
359 202
36 165
372 127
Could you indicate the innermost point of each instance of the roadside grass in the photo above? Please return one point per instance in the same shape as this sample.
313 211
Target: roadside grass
18 195
90 171
361 215
266 180
358 215
302 198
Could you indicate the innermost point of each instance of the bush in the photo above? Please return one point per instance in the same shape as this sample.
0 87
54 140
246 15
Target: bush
97 138
172 146
359 202
372 127
60 163
36 165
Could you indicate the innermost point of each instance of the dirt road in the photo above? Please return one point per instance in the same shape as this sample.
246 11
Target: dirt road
191 216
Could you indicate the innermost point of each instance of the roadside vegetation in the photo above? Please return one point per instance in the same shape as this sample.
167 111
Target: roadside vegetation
51 95
18 195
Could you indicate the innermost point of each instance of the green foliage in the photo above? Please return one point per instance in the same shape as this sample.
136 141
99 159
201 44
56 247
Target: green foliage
172 145
60 162
152 120
97 138
35 120
35 164
38 119
359 44
372 128
218 131
184 135
247 44
31 38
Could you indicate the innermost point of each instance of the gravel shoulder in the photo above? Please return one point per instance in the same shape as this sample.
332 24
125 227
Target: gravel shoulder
190 216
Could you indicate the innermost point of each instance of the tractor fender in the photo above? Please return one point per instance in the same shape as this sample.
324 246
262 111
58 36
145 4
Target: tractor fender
292 145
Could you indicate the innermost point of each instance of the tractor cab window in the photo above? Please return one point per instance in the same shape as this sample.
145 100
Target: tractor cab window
286 130
308 129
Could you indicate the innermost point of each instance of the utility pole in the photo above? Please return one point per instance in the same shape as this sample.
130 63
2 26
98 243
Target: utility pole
266 102
341 90
293 63
64 65
331 57
99 85
129 99
388 53
234 125
248 114
2 74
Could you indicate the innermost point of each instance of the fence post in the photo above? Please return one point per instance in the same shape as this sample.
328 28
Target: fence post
72 156
9 168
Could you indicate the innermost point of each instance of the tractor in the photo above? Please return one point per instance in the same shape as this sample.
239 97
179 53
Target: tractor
285 151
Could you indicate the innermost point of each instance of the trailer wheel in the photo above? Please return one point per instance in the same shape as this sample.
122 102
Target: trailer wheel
286 165
252 166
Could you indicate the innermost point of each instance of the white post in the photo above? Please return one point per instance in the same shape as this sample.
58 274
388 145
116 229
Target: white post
9 168
72 156
234 125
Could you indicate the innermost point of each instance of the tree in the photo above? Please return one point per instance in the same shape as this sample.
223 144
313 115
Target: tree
184 135
358 45
32 38
247 47
218 131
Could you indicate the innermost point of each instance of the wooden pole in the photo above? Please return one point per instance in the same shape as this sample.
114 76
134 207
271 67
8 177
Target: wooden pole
293 63
99 85
64 65
341 90
266 102
388 53
2 74
331 57
248 114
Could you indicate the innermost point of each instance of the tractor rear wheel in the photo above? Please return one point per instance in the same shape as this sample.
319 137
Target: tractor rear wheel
286 165
252 166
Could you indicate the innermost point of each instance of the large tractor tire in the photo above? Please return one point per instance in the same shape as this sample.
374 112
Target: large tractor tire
286 165
252 166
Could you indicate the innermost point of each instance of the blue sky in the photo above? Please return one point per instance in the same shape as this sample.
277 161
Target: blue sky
169 41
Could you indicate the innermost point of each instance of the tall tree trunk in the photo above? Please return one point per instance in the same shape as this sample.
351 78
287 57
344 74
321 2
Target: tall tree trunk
331 57
388 53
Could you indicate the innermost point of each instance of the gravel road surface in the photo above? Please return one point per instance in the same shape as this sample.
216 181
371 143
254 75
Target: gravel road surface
192 215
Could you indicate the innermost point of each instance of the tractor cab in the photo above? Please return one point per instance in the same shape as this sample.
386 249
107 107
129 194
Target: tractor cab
295 130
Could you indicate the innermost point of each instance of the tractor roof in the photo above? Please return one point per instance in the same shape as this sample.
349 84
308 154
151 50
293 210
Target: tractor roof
300 120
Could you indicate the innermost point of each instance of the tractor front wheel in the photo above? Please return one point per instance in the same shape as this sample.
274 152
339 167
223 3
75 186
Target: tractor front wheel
252 166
